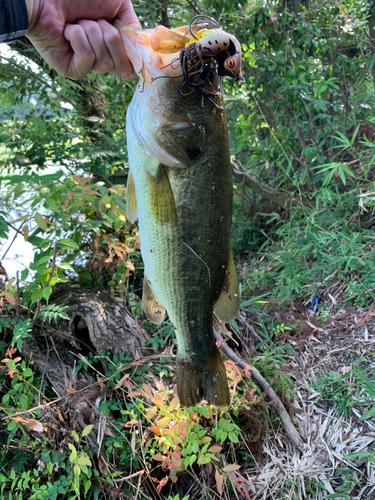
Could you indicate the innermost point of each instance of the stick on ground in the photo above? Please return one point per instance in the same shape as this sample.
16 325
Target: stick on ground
271 394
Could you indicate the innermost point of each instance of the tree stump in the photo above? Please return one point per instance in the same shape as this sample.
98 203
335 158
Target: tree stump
98 322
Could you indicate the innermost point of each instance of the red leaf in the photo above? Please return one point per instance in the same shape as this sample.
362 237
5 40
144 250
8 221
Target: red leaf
219 483
133 394
10 298
162 483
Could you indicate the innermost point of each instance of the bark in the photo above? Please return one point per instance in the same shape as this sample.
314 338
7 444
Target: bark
296 7
98 322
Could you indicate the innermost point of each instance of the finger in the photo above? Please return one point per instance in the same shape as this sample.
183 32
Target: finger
122 67
83 56
103 59
128 16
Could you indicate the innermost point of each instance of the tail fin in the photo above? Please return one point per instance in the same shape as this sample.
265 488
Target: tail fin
196 381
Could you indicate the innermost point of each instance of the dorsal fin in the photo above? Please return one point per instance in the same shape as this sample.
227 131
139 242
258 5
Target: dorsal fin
154 311
228 303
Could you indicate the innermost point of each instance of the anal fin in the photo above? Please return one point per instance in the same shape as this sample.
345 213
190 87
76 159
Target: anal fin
154 311
196 382
162 200
131 200
228 303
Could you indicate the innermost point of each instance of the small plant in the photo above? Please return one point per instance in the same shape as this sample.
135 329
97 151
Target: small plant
80 463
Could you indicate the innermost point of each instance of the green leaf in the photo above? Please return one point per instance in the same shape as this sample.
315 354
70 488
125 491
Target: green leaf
87 430
65 265
24 274
73 454
39 126
369 414
233 437
46 292
83 460
75 435
40 221
67 244
235 326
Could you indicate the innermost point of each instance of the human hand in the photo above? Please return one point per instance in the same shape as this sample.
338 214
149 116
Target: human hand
75 36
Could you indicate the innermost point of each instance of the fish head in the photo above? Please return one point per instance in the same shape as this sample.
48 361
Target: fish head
159 52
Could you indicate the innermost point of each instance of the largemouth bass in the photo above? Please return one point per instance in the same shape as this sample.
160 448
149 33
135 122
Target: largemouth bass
180 190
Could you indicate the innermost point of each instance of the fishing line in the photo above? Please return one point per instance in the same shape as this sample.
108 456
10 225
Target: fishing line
200 258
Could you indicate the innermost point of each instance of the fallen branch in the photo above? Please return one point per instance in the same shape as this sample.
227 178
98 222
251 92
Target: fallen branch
271 394
281 198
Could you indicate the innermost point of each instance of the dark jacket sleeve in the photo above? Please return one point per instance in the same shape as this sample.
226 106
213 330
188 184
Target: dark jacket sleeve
13 19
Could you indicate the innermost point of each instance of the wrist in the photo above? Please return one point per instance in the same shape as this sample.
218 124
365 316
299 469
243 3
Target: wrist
32 12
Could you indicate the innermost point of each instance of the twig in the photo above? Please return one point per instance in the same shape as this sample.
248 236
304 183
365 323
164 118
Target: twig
36 77
95 384
271 394
45 368
138 486
193 7
15 236
120 479
18 294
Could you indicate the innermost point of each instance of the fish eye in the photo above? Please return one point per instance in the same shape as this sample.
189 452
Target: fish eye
230 63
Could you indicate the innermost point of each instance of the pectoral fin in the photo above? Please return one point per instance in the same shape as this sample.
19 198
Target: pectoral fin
161 196
228 302
165 41
154 311
131 200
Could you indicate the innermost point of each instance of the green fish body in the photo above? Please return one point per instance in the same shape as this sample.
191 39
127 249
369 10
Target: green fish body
180 189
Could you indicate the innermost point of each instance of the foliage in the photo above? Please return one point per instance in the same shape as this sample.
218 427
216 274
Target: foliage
355 388
301 123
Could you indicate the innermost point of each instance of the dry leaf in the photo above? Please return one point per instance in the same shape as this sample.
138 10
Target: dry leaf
32 424
121 381
163 422
364 318
345 369
231 467
174 403
219 482
151 412
133 394
158 400
215 449
147 390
